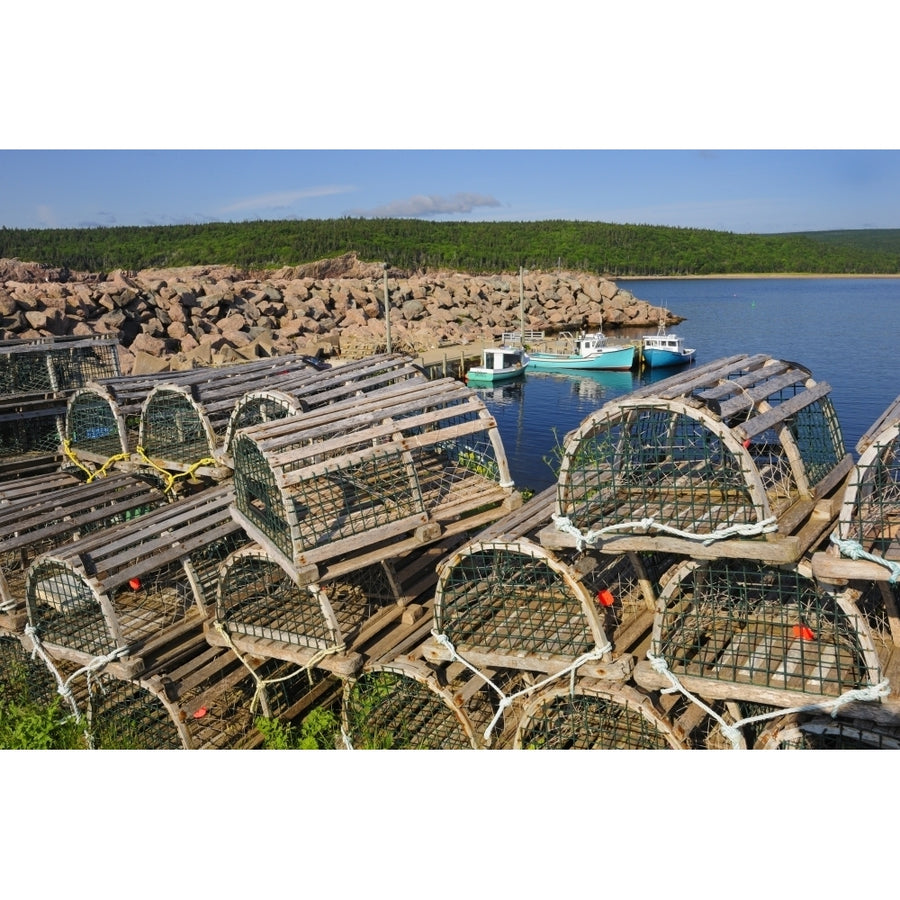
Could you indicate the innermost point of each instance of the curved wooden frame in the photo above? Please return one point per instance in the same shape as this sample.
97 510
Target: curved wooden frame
623 695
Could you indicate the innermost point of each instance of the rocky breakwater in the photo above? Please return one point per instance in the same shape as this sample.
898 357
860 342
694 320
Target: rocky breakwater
181 318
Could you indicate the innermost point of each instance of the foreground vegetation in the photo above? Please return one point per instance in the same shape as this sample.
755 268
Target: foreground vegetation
477 247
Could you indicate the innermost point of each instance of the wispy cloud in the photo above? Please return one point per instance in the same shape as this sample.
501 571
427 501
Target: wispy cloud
428 205
284 199
46 215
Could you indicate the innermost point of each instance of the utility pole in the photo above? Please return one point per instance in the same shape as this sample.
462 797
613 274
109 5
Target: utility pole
522 304
387 308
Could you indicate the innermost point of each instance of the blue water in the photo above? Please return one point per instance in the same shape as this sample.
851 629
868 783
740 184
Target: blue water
842 329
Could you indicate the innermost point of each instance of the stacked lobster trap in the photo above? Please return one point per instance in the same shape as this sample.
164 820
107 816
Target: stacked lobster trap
41 513
36 378
187 696
742 457
735 469
112 598
181 424
371 477
861 561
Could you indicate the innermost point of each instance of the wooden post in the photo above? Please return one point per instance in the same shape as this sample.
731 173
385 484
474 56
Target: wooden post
387 308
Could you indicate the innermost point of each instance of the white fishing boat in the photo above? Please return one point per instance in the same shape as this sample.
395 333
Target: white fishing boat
664 349
498 364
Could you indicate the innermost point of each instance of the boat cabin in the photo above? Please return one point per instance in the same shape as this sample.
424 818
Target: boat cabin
669 342
589 344
497 358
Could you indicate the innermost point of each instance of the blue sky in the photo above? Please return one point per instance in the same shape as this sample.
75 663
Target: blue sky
775 117
733 190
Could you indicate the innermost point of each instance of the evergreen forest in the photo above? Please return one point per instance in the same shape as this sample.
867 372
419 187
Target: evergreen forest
474 247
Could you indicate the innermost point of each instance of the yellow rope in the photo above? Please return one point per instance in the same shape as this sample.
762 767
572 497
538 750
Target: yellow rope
67 450
172 477
107 464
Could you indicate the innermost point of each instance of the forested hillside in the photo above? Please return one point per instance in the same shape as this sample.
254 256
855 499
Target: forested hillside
477 247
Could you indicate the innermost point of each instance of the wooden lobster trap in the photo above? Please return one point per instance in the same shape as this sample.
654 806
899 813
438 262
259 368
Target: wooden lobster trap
742 457
593 715
54 366
503 601
866 541
189 696
371 477
112 596
57 510
23 679
798 731
36 377
184 421
103 421
299 391
746 631
336 625
403 705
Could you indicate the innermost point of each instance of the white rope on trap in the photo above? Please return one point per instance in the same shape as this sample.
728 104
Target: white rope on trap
64 688
732 732
507 699
854 550
643 526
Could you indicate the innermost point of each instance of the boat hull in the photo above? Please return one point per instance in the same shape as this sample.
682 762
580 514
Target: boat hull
618 359
477 375
659 359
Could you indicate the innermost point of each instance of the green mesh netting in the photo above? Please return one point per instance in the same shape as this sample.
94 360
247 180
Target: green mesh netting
501 599
23 679
875 518
583 721
54 366
92 426
172 428
346 499
654 463
743 622
257 598
386 710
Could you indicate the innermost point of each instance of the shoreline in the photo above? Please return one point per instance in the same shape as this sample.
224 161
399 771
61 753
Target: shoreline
740 275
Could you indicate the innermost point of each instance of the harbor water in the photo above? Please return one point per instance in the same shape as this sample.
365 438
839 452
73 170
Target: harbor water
842 329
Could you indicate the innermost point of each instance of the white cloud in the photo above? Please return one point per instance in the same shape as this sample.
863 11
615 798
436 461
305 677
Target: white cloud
429 205
281 199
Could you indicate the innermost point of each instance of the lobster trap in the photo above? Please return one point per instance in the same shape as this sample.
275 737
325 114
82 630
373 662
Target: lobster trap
190 696
746 631
183 422
811 732
371 477
300 391
58 510
402 705
337 625
36 377
103 420
23 679
866 542
111 597
593 716
503 601
56 365
742 457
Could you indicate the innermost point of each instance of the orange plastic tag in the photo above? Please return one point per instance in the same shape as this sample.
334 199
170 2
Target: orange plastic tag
605 597
802 632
